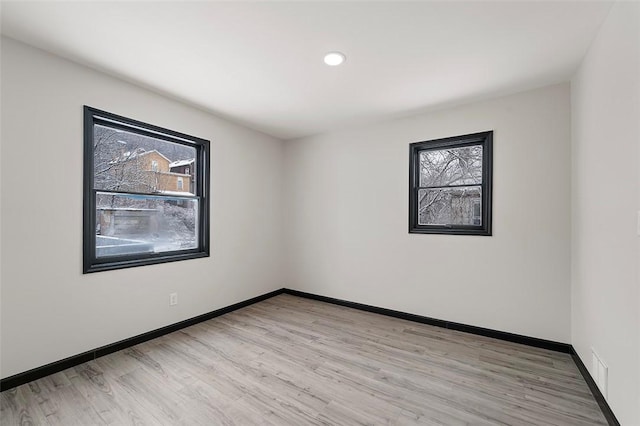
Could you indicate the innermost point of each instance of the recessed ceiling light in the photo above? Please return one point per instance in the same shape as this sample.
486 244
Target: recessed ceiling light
334 58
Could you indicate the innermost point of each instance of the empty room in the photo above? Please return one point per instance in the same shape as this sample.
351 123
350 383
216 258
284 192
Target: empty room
320 213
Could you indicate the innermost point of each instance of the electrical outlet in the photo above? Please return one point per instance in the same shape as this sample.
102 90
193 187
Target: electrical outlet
173 299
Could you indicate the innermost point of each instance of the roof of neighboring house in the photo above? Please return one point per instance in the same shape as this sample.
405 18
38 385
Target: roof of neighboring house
136 154
181 163
175 193
174 174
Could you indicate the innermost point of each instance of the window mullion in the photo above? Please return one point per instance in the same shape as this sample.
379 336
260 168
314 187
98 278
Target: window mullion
451 186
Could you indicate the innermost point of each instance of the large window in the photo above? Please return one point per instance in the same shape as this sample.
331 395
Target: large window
139 207
450 185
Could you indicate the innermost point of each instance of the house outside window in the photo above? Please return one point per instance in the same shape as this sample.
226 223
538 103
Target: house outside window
450 185
133 215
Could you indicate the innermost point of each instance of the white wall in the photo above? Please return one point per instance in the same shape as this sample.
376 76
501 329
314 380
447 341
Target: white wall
606 197
346 219
50 310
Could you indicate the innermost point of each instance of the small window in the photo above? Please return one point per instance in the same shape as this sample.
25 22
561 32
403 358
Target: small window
133 214
477 212
450 185
186 171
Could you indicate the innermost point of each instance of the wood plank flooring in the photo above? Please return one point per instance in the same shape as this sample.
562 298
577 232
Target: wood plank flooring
294 361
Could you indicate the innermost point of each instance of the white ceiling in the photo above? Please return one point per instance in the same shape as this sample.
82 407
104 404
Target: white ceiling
260 63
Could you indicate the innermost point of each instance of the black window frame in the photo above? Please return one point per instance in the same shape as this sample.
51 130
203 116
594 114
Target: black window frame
485 139
91 263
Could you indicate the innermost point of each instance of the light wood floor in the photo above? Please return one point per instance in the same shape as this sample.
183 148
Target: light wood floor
293 361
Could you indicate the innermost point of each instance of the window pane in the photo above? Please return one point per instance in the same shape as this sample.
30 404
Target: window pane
450 206
125 161
455 166
128 224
